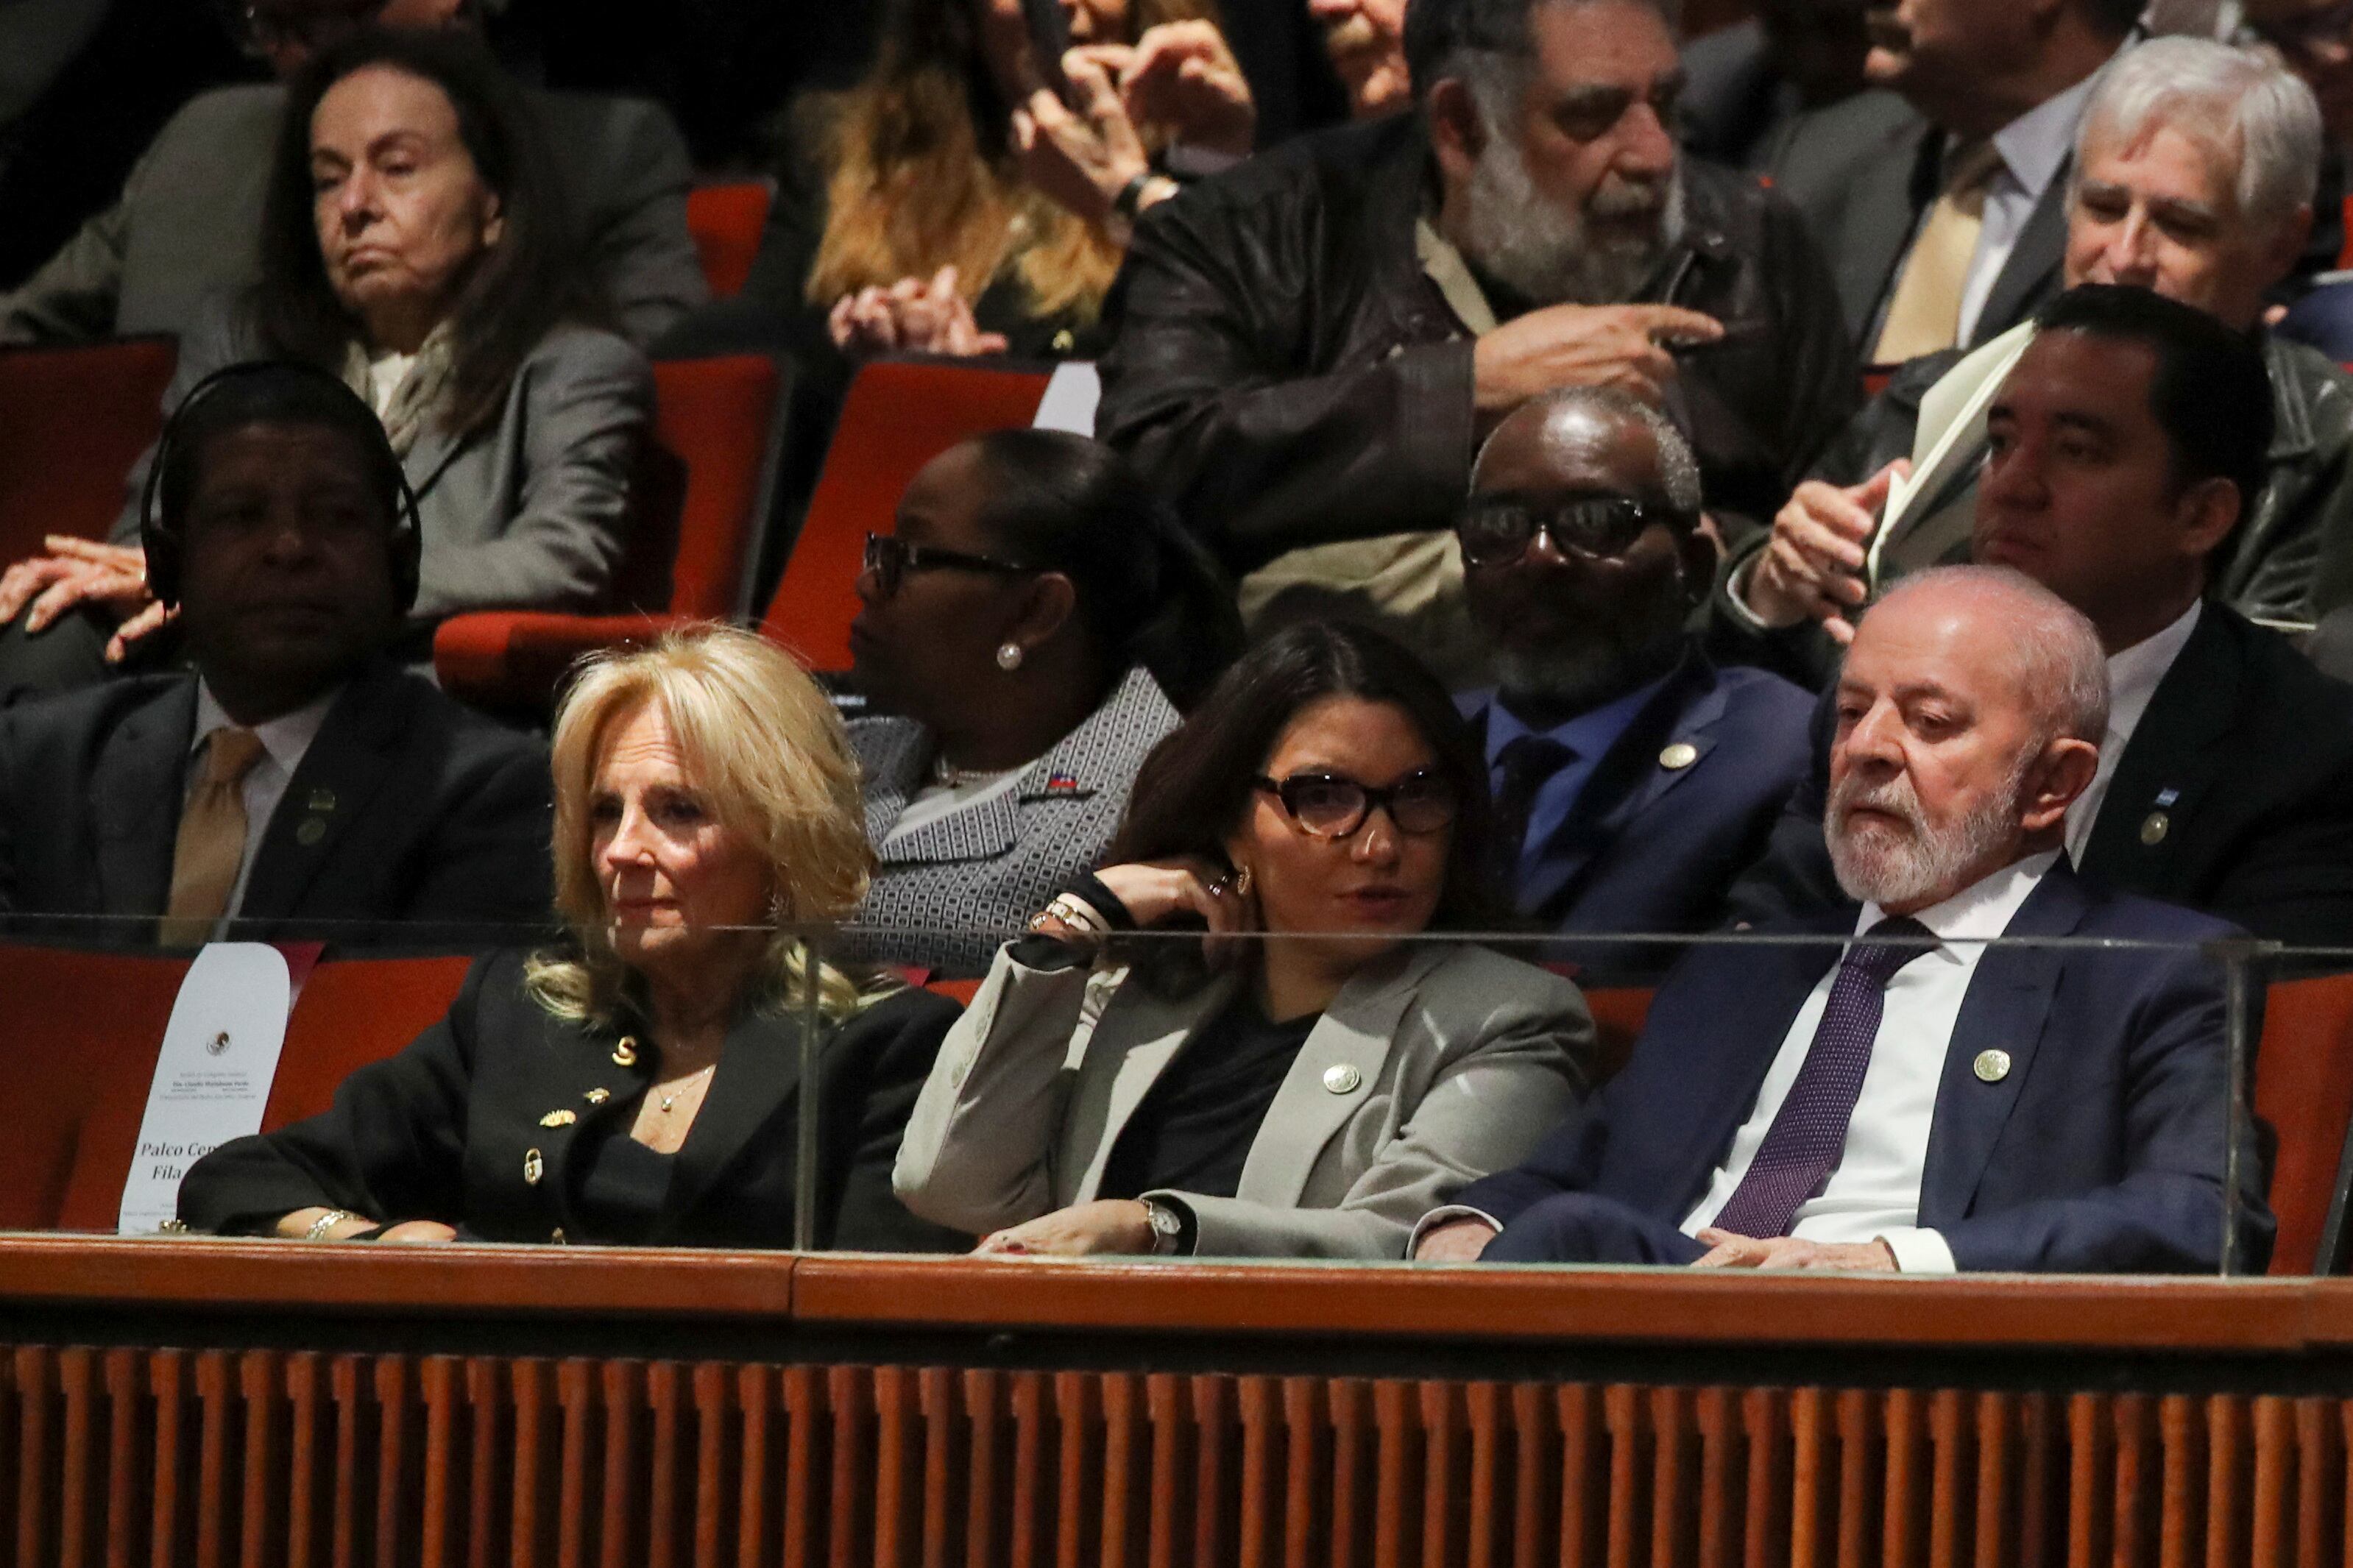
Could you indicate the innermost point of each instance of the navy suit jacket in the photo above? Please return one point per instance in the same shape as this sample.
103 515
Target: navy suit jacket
1650 847
2101 1151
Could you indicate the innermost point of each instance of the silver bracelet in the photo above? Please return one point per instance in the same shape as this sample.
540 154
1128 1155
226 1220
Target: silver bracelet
327 1222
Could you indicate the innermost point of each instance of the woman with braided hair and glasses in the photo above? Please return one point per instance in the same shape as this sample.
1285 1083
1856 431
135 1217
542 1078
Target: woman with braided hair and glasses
1304 1076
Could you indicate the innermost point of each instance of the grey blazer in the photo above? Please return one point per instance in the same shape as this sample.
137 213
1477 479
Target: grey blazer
529 514
188 223
1432 1067
981 872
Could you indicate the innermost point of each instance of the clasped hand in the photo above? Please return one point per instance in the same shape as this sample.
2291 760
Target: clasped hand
1105 1226
80 572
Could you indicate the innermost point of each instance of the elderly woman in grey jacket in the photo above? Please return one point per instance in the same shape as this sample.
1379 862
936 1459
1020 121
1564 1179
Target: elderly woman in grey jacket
1304 1076
413 246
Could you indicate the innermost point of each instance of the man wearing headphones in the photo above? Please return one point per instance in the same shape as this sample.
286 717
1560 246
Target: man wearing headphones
294 781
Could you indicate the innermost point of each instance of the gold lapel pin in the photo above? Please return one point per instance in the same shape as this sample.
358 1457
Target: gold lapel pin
2154 827
1678 756
323 800
625 1055
1992 1067
534 1167
558 1118
1342 1078
313 828
597 1096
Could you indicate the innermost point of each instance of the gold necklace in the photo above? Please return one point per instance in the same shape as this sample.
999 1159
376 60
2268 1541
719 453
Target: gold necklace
671 1097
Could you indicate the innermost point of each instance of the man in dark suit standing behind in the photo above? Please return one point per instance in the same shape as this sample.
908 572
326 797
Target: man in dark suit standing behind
1942 203
1633 779
1927 1102
296 781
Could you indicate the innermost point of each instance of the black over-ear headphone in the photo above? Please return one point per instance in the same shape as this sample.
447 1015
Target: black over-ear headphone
163 540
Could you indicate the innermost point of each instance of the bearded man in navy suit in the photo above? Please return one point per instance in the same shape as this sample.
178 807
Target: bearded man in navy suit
1918 1101
1634 780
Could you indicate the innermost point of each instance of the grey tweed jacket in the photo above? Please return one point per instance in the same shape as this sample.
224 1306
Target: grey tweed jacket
974 877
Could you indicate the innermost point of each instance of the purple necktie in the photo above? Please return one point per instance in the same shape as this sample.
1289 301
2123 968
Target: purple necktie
1809 1132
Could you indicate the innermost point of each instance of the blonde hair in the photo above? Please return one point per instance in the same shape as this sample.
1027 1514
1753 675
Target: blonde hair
919 181
772 763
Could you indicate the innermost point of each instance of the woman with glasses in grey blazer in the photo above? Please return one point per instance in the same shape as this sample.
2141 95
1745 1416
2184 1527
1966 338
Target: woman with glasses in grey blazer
1304 1073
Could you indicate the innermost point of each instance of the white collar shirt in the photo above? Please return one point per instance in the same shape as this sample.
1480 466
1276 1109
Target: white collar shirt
2133 677
284 742
1873 1191
2032 148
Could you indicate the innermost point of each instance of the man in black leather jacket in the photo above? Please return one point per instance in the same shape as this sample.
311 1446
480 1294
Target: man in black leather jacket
2157 204
1309 348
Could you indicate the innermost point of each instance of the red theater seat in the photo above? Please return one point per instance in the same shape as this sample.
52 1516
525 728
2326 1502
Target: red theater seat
704 493
72 421
82 1030
726 222
351 1011
2303 1088
899 415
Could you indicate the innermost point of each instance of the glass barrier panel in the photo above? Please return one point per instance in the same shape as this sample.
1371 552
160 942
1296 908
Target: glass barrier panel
2044 1103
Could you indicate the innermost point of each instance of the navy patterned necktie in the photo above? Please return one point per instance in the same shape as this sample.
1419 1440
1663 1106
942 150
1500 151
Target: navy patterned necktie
1809 1132
1528 765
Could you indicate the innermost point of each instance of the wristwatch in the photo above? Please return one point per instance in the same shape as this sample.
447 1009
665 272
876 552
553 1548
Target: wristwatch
1167 1228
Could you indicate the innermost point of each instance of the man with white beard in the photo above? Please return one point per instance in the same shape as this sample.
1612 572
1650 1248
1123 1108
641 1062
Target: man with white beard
1918 1101
1309 348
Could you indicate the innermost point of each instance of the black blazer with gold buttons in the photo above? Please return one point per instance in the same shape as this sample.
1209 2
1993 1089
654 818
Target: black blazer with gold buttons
475 1123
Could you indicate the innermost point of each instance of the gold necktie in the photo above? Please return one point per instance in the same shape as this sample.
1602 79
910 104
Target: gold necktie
212 838
1924 315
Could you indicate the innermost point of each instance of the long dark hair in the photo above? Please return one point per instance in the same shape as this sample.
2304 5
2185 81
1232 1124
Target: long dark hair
1192 790
519 289
1149 593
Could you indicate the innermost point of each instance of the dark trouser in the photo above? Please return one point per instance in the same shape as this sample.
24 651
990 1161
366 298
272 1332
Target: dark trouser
1578 1227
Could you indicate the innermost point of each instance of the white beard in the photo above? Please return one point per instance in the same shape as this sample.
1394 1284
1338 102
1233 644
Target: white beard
1887 867
1548 255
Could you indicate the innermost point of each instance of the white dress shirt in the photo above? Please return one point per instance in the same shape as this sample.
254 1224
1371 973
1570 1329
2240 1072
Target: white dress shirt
2032 148
1873 1193
2133 677
284 740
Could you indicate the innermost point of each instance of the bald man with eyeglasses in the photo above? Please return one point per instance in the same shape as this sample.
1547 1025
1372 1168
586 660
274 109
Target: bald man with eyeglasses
1632 777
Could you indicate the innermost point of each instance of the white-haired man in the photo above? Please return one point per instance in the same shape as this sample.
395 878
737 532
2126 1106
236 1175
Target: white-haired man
2193 178
1918 1100
1309 347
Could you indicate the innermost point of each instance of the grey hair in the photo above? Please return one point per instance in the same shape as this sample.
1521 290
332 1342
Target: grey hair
1486 43
2062 663
1678 468
2219 96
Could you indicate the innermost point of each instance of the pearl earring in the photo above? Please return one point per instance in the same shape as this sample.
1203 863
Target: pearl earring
1009 657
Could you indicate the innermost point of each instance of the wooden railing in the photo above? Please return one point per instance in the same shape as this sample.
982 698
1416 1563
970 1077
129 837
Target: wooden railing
279 1403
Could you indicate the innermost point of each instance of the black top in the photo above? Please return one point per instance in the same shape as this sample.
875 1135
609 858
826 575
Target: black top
619 1185
1197 1123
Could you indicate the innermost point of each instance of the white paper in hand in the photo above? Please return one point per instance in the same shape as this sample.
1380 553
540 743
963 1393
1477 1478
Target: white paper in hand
213 1077
1950 436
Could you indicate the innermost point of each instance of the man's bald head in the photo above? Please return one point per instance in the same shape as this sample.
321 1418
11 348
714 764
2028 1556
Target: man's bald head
1970 710
1559 430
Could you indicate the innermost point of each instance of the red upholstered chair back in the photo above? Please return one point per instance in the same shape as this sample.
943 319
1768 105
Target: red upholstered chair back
81 1031
726 222
960 992
1618 1018
351 1011
720 420
2303 1088
899 415
72 421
